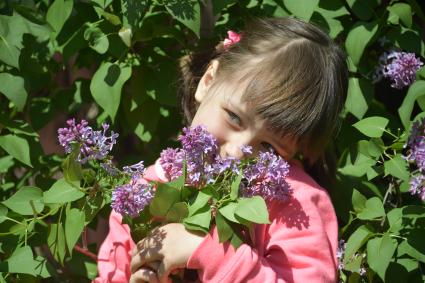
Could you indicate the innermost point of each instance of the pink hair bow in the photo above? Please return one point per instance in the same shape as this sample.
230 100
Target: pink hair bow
232 38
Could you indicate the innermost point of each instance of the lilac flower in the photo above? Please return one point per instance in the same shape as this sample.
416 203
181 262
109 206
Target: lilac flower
171 161
93 144
267 176
75 133
400 67
340 252
416 155
130 199
228 163
246 149
417 186
199 145
416 143
102 144
135 169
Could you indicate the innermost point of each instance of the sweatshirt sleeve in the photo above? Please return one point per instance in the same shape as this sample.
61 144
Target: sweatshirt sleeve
298 246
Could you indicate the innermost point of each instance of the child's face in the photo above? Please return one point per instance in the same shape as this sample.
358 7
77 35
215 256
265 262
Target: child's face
234 124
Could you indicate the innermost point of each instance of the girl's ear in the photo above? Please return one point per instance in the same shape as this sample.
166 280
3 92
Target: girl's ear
206 81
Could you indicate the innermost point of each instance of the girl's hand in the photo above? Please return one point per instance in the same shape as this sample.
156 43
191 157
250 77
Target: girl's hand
171 245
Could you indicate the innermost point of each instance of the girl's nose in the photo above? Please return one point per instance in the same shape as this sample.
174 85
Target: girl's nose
231 150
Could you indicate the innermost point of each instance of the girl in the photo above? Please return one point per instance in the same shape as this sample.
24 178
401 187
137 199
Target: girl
281 86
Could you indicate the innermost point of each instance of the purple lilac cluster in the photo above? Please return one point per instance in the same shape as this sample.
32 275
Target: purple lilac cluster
399 67
131 198
199 151
93 144
266 177
416 156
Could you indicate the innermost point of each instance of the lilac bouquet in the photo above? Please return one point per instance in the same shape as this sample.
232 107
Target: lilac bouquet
203 188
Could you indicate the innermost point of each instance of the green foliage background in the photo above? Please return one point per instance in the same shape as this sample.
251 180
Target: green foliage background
116 61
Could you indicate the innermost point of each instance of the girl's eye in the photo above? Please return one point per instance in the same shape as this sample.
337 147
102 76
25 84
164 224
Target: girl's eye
234 118
268 146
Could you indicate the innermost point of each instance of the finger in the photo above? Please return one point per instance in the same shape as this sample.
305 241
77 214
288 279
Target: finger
154 265
144 275
143 257
164 271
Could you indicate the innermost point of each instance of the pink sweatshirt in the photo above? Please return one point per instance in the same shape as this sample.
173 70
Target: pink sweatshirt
298 246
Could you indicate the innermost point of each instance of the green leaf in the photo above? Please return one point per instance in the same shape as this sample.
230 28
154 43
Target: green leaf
236 240
356 241
397 167
17 147
302 9
5 163
103 3
96 39
413 211
9 54
177 212
359 167
74 225
56 242
187 12
416 90
358 38
402 12
358 200
165 197
415 246
106 86
13 87
354 264
395 219
20 202
420 74
133 11
364 9
228 211
200 220
224 229
22 261
372 126
58 13
380 252
3 213
253 209
359 93
62 192
234 190
373 209
72 170
201 199
125 34
219 5
113 19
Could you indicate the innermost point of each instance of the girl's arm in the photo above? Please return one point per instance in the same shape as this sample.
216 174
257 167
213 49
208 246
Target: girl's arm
116 250
298 246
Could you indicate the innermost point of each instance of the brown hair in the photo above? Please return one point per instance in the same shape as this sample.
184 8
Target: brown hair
297 80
